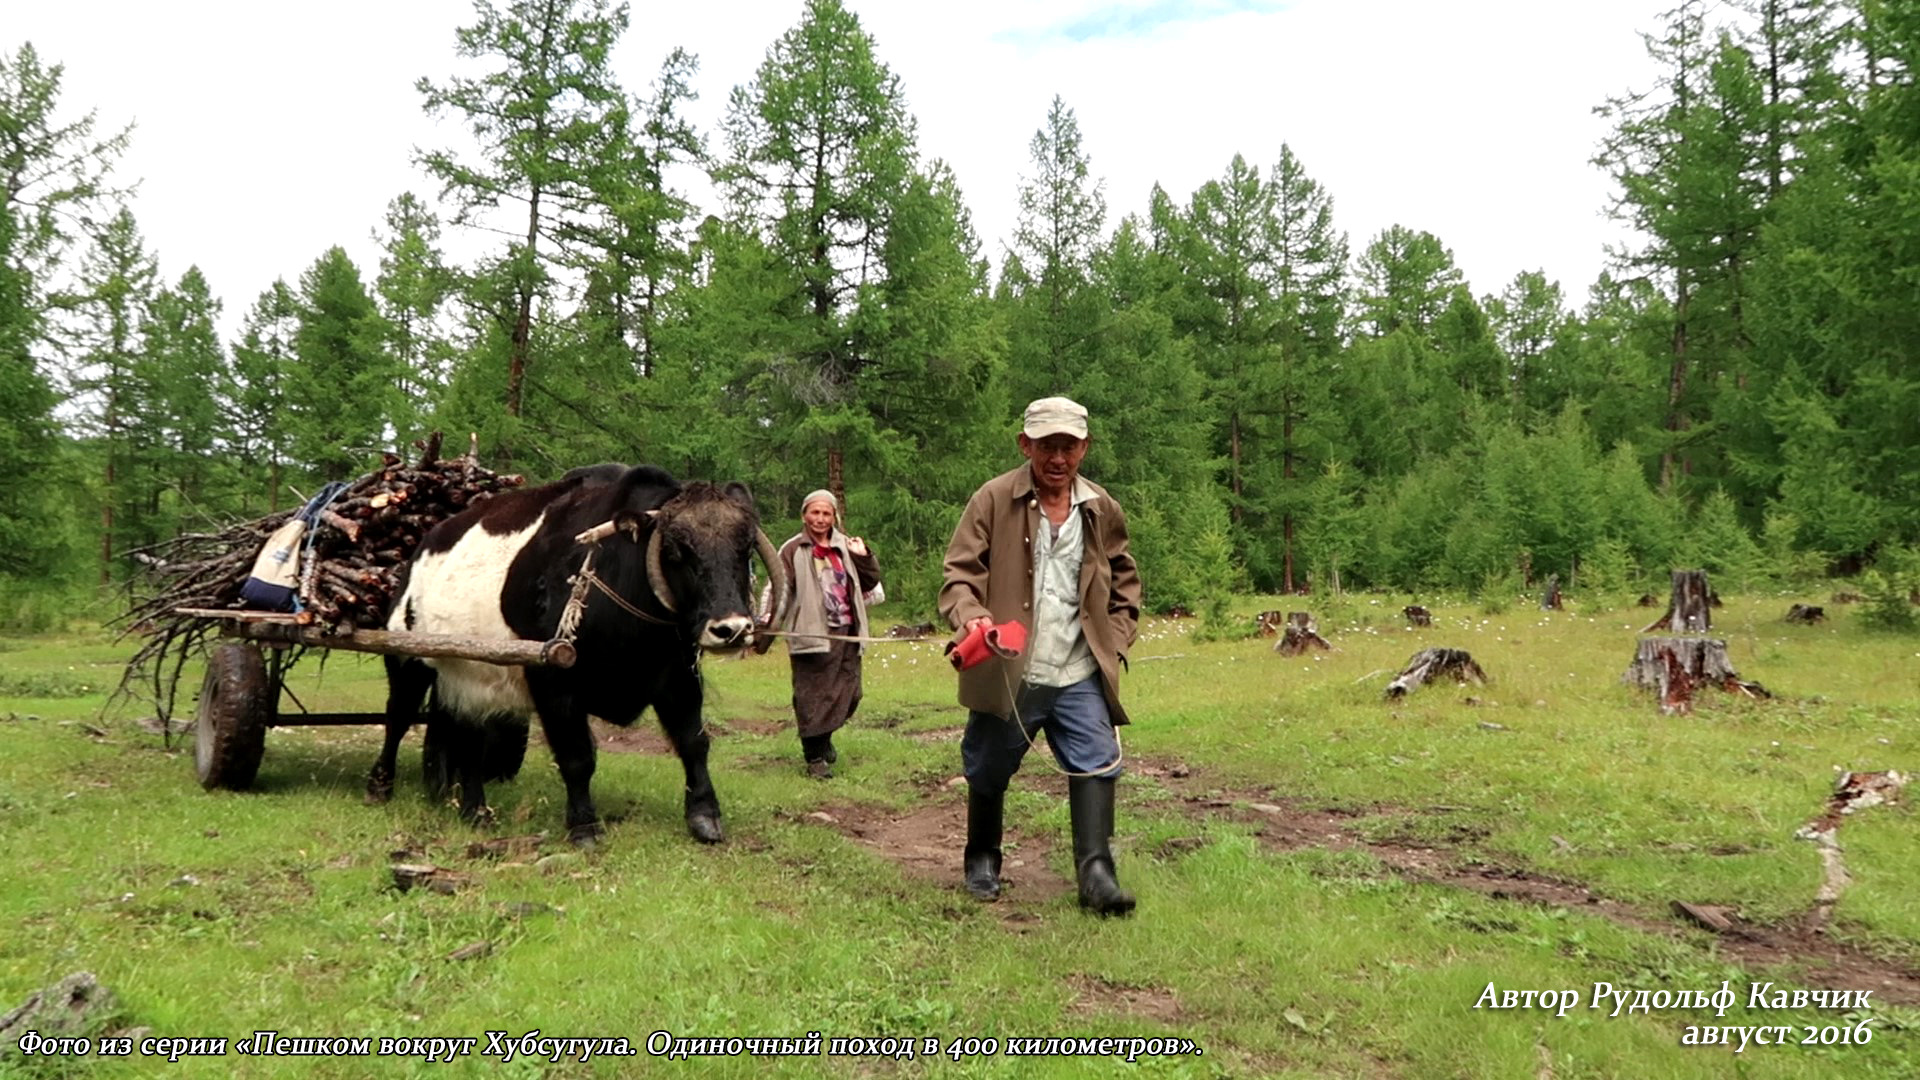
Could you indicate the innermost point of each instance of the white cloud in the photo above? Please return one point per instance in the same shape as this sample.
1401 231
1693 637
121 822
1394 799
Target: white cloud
268 132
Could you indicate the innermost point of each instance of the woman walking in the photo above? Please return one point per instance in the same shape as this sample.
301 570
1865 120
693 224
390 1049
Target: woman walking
835 577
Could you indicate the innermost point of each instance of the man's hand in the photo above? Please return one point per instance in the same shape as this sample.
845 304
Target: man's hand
978 622
856 545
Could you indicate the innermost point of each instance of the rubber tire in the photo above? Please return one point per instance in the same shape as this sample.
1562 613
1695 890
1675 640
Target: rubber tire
230 726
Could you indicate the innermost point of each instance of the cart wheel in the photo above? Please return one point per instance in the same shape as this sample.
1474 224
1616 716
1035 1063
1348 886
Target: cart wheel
236 705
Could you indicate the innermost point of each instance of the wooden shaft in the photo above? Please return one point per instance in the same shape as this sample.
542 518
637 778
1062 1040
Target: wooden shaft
554 653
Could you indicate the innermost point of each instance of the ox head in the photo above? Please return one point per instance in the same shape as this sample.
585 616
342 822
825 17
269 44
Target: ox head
699 544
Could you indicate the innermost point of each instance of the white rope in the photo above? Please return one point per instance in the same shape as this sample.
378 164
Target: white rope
1013 707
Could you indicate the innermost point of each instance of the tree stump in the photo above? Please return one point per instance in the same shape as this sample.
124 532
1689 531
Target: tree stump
1268 623
1646 600
1689 611
1430 664
1803 613
1300 635
1550 596
1417 615
1677 666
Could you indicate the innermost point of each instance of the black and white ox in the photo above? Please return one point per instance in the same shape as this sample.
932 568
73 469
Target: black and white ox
676 557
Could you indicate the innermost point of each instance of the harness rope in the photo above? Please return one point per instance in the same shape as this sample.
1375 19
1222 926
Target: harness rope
577 602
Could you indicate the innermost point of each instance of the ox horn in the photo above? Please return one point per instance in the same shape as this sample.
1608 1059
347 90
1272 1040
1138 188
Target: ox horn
778 573
657 577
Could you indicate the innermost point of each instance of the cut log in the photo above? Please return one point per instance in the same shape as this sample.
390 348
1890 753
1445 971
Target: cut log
1268 623
1550 596
1677 666
1429 664
1804 613
1417 615
1301 634
1690 609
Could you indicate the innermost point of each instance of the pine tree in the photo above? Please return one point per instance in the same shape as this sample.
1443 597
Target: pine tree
1225 245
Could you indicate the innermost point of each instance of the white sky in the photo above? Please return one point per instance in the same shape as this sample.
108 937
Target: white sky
269 131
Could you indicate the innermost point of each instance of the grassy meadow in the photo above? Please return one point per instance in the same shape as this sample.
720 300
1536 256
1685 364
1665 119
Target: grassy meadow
1327 881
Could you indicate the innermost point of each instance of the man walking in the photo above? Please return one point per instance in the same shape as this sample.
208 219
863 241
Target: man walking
1045 547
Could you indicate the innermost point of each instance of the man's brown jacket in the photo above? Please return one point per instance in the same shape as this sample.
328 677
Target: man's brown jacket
989 571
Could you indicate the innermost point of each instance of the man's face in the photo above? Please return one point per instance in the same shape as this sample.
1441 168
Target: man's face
819 518
1056 459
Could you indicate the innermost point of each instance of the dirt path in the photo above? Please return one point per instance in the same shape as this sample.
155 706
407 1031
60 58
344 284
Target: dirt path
1284 824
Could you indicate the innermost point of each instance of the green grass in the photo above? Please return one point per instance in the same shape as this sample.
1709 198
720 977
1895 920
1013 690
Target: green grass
216 914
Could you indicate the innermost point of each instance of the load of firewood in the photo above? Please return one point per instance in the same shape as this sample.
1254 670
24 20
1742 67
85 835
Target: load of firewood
350 556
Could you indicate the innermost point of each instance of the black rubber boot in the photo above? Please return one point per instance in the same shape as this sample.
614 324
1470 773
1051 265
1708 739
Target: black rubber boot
982 860
820 755
1091 801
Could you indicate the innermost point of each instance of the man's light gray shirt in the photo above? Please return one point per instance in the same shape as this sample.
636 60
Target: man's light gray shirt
1061 655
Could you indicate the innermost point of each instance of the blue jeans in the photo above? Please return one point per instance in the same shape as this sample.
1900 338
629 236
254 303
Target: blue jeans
1077 726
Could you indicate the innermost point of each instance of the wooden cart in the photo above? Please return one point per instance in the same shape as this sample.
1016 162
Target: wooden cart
240 698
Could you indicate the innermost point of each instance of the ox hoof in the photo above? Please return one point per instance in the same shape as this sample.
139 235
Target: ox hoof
586 837
379 790
706 828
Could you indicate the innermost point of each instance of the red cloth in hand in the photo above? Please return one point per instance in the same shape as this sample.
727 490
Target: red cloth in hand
1006 640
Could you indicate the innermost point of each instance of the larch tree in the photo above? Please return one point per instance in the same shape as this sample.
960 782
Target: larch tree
54 172
184 375
1062 212
1528 317
1689 159
1310 268
342 388
821 149
1224 240
1405 280
547 116
256 412
114 284
412 288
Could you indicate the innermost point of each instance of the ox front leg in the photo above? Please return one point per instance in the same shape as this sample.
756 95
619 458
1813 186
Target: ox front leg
571 741
680 717
408 682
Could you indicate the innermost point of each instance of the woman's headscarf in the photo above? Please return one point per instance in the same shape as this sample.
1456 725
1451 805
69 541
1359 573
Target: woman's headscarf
822 495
